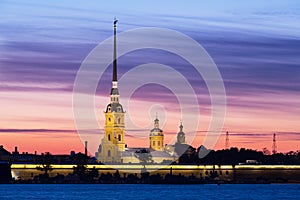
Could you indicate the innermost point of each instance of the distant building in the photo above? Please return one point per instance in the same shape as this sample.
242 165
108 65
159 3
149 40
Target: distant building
156 137
4 154
181 135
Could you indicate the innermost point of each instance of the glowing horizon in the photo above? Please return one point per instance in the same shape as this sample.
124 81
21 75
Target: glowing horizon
256 50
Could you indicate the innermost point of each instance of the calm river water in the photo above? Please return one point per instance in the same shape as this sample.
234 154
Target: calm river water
151 192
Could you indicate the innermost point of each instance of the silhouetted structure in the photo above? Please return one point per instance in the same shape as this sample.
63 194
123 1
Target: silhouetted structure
227 146
274 146
5 172
85 148
46 161
4 154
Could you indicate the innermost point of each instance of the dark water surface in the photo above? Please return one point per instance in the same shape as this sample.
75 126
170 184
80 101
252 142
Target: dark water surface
151 192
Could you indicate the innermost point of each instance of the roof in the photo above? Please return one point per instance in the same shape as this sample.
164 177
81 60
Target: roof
155 154
114 107
114 91
180 133
3 151
156 130
161 154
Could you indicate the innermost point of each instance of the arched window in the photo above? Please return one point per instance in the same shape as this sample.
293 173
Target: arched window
153 143
158 143
108 153
119 137
108 137
119 120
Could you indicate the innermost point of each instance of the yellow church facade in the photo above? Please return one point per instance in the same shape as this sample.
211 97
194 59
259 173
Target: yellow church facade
113 142
156 137
113 148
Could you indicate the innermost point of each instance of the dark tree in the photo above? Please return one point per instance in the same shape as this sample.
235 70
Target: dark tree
144 156
80 160
45 162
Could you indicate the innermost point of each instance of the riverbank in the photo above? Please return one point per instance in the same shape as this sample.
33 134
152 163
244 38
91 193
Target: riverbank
153 174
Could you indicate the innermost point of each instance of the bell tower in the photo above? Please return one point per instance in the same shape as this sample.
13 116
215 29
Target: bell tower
113 142
156 137
181 135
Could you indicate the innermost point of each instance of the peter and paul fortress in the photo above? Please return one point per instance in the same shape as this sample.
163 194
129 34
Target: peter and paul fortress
113 142
113 148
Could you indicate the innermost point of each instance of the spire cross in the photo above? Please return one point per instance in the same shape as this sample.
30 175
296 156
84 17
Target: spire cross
156 122
181 126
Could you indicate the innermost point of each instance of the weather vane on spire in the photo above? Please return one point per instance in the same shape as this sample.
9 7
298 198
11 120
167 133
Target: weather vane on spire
115 21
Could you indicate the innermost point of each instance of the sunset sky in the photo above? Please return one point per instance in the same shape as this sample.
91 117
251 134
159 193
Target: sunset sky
255 45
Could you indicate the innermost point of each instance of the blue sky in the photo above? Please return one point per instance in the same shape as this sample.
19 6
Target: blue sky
255 44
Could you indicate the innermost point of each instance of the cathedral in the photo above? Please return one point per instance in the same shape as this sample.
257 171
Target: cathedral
113 148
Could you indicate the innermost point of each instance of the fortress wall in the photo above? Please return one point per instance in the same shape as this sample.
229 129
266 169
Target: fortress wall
279 173
28 171
239 173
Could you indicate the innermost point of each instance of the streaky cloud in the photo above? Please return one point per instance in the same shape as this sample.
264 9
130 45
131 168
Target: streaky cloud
36 131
